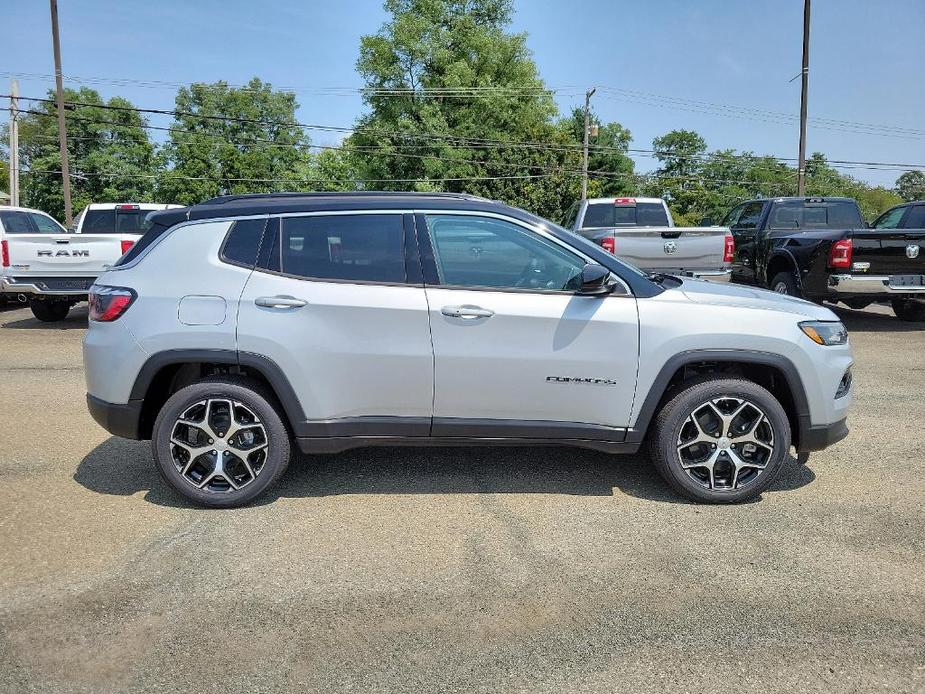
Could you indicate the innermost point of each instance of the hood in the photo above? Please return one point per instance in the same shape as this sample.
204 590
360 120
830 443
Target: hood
739 296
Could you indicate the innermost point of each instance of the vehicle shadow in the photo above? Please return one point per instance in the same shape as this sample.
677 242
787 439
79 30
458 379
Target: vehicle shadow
123 468
76 320
866 320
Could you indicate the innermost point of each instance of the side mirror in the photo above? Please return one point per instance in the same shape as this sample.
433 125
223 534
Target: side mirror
595 280
707 222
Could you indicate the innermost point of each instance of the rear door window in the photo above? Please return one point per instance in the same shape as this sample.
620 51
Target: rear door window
891 218
916 218
349 247
751 215
15 222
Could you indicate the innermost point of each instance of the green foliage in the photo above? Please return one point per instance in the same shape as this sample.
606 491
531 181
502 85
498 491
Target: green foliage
225 134
911 185
452 44
110 155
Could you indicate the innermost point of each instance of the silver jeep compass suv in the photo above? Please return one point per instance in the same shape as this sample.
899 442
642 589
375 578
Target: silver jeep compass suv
239 327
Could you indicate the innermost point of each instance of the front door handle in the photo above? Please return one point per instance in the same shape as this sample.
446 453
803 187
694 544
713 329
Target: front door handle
466 312
279 302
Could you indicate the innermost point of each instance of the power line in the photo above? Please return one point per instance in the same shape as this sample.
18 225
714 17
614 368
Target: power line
459 140
635 96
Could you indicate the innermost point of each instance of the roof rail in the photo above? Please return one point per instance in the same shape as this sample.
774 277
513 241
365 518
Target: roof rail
225 199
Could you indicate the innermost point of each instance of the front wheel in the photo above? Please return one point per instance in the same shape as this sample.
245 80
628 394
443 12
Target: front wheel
912 310
785 283
50 311
221 442
720 441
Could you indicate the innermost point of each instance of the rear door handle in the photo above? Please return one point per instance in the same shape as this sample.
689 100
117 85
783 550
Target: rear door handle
466 312
280 302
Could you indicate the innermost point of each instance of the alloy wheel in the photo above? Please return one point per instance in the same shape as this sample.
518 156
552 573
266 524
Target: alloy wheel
725 443
219 445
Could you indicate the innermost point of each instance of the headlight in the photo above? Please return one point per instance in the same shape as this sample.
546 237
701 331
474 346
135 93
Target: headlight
825 332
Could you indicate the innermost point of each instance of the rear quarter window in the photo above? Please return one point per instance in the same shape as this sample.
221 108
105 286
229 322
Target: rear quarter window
243 242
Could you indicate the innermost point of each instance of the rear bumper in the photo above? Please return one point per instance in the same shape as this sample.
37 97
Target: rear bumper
815 438
869 284
712 275
120 420
18 285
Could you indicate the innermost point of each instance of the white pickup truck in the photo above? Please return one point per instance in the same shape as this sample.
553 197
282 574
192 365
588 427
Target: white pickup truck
52 267
642 232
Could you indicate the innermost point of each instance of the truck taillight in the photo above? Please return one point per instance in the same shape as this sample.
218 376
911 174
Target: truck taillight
109 303
126 245
609 244
625 201
840 254
730 249
6 252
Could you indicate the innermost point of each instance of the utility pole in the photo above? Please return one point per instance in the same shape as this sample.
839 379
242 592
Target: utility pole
801 173
14 143
584 161
62 129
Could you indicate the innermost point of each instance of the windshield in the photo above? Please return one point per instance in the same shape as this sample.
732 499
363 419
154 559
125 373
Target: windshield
642 214
829 214
115 222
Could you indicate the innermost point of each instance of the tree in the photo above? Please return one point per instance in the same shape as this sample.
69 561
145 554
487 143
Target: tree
233 140
911 185
679 153
442 76
110 154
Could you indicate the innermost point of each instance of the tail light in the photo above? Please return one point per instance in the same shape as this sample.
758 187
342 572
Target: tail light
109 303
609 244
625 201
126 245
840 254
5 250
730 249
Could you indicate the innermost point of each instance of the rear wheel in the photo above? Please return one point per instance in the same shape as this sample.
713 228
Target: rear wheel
50 311
221 442
785 283
720 441
909 309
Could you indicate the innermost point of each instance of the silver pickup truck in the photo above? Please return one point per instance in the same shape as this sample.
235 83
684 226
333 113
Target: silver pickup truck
642 232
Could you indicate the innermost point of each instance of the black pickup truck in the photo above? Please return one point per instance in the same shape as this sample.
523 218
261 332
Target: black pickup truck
820 248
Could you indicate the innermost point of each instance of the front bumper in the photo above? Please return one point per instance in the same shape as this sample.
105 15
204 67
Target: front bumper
870 284
47 286
120 420
815 438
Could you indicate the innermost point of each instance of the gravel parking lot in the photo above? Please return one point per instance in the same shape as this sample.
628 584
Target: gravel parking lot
458 570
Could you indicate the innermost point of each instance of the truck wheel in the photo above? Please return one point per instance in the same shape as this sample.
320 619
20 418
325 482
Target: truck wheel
785 283
720 441
912 310
50 311
221 442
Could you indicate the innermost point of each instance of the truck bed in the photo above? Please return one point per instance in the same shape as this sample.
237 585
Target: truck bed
685 250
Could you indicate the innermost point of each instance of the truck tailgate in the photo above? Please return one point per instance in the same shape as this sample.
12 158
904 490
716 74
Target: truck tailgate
678 249
62 255
889 251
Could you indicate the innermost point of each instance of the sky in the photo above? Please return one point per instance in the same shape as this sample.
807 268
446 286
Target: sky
714 66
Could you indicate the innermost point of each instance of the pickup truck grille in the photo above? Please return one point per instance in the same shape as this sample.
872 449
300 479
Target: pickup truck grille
58 283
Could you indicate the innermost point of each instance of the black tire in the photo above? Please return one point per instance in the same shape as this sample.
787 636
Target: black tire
674 416
785 283
254 398
50 311
912 310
